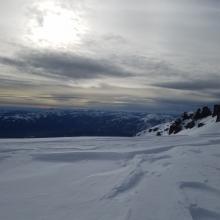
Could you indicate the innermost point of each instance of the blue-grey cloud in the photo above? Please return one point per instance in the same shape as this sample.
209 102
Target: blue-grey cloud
64 65
193 85
146 55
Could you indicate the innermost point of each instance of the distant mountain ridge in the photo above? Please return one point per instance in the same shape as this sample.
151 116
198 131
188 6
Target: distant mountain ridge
188 122
70 123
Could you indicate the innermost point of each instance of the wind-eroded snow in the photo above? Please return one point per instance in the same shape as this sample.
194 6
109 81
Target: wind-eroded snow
141 178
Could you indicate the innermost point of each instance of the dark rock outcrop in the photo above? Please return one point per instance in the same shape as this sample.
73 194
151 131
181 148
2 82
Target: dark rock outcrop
205 112
216 112
200 125
197 115
189 120
186 116
176 127
190 125
158 133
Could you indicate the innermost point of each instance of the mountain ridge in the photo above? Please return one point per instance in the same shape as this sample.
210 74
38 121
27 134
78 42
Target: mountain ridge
188 123
72 123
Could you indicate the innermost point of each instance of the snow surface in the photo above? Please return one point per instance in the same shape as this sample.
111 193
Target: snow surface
141 178
210 127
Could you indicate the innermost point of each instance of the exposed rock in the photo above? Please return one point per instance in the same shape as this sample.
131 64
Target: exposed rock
191 115
178 121
175 127
200 125
158 133
188 120
205 112
190 125
197 115
172 128
216 112
186 116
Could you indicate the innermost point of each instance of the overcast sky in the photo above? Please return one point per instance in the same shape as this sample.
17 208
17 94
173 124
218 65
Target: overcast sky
116 54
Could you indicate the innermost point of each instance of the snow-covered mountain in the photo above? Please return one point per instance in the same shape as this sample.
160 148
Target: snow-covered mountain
68 123
171 177
203 120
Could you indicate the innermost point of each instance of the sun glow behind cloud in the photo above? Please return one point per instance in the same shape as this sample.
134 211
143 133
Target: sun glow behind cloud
91 52
56 26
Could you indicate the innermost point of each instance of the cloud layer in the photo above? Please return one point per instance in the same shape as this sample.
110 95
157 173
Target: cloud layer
62 64
157 54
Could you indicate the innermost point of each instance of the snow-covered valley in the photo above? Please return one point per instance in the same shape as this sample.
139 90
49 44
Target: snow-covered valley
173 177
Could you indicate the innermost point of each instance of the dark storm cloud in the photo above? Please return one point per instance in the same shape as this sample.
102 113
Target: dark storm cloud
193 85
64 65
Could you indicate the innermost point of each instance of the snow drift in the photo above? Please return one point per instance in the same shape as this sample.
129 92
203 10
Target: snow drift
154 178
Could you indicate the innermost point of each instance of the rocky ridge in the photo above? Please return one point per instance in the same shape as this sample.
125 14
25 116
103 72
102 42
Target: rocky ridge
188 120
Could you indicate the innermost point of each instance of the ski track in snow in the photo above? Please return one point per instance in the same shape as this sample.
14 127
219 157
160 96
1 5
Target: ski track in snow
144 178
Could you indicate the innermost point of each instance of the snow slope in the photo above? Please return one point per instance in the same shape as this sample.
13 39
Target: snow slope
209 126
141 178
